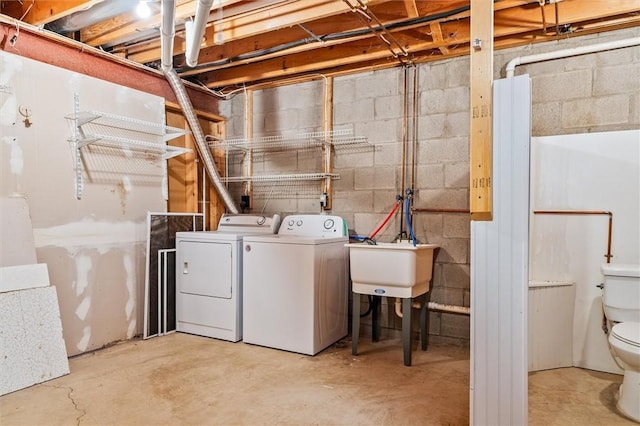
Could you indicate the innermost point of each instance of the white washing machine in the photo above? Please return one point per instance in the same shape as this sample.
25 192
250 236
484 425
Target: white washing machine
209 276
296 285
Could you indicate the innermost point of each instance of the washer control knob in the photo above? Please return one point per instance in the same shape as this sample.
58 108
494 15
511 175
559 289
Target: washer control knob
299 222
261 220
328 224
291 222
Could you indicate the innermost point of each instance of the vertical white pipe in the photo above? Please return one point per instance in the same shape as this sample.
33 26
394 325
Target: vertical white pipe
167 32
195 31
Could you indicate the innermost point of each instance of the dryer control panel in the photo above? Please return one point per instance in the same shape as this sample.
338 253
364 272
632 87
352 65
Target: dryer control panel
313 225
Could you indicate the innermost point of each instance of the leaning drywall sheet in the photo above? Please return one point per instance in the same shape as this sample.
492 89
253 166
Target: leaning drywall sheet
31 346
16 235
22 277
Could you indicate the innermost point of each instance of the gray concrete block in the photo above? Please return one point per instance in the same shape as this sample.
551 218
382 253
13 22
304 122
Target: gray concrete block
457 72
561 86
457 99
430 176
432 102
456 124
447 296
344 89
375 178
224 108
617 57
431 126
545 118
366 223
432 76
456 175
380 131
381 83
346 181
386 107
585 113
358 111
354 159
427 227
384 200
443 150
434 322
456 226
309 205
448 198
624 79
453 250
353 201
456 275
388 154
455 325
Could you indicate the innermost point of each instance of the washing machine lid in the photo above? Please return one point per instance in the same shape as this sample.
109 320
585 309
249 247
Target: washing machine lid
208 236
293 239
628 332
249 224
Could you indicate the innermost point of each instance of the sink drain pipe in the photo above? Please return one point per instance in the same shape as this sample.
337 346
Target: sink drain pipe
167 32
434 307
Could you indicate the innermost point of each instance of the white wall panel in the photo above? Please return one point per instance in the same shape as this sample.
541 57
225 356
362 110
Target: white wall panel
499 268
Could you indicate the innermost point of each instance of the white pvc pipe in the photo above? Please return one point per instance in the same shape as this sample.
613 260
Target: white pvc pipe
195 31
167 32
449 308
521 60
434 306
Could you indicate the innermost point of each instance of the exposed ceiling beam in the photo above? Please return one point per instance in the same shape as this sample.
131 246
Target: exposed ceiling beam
42 12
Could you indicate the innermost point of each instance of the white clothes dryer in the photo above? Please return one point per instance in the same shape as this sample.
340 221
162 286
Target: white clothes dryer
296 285
209 276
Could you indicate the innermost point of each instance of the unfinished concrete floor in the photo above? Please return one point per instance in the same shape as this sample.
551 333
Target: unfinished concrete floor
185 379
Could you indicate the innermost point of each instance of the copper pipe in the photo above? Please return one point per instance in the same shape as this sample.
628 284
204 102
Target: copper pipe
415 210
587 212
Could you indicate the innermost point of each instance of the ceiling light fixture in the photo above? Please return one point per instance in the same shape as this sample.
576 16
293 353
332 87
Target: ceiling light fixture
143 10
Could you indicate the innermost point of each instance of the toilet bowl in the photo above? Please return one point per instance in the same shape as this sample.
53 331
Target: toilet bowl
621 301
625 342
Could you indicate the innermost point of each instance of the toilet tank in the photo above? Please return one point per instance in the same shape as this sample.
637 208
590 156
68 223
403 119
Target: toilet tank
621 292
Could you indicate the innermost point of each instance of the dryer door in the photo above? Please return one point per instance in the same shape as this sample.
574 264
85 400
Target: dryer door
205 268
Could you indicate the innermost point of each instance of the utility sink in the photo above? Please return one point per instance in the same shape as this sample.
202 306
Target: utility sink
391 269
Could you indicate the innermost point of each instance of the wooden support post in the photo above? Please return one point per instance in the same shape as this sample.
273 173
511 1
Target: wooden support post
480 133
327 148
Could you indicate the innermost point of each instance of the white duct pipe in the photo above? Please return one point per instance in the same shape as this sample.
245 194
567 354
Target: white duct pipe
521 60
167 32
195 31
435 307
168 10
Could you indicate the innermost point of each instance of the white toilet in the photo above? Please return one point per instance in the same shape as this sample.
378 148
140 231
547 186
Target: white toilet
621 300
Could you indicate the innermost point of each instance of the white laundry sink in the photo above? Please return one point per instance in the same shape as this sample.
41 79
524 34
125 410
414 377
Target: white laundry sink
391 269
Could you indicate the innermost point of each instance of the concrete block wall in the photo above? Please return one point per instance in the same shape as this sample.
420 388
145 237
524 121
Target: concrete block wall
597 92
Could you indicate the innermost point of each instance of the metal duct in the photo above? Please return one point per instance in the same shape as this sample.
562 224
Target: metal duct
85 18
201 143
195 31
167 31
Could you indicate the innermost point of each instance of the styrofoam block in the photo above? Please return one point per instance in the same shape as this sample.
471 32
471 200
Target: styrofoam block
23 277
32 348
16 233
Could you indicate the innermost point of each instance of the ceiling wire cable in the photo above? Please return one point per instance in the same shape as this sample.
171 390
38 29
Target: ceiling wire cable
366 17
442 16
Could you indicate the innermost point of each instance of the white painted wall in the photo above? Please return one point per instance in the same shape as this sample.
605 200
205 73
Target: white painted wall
592 171
94 247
